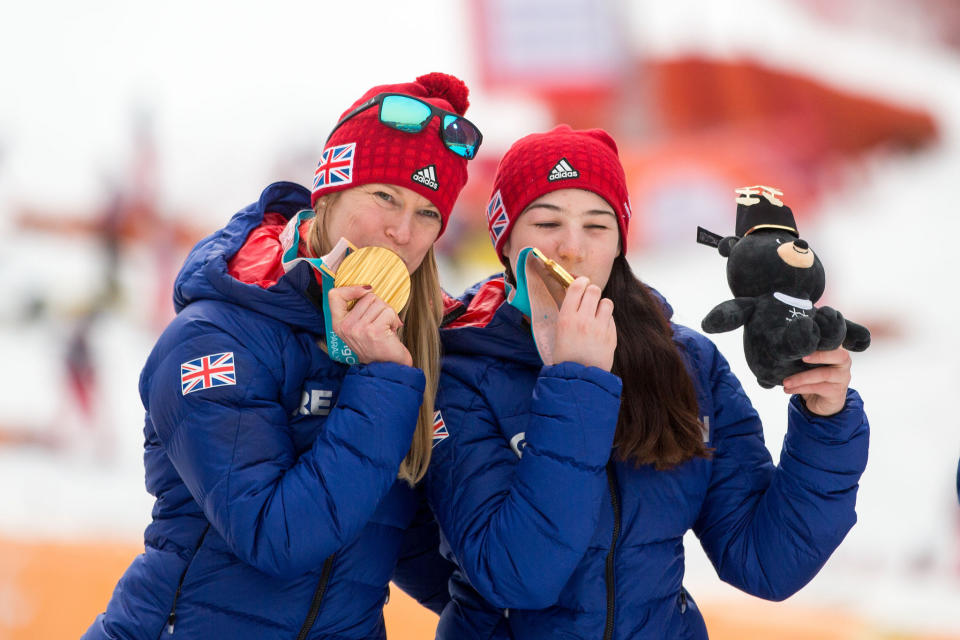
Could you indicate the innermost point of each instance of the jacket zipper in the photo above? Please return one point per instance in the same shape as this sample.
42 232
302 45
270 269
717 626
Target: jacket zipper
172 618
611 577
317 598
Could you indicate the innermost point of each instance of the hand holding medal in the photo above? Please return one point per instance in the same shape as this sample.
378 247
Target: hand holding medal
349 276
540 290
545 291
371 288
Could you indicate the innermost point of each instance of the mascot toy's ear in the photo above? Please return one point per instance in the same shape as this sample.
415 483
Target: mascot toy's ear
711 239
726 245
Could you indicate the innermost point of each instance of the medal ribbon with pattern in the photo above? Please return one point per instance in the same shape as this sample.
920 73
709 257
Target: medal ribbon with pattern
378 267
326 266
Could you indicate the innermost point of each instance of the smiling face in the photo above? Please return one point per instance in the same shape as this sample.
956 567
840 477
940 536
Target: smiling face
384 215
574 227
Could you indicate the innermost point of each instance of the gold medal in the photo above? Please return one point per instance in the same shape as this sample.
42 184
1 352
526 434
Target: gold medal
380 268
557 272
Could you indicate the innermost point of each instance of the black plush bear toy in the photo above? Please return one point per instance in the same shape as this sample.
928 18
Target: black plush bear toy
776 278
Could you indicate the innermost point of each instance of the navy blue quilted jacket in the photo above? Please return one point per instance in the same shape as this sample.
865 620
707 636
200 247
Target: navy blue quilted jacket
278 511
543 524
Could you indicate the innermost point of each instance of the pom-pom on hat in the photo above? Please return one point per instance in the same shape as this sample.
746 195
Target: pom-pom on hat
363 150
562 158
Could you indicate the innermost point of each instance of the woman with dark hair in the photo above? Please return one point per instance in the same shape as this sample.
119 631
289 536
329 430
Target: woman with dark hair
576 449
288 420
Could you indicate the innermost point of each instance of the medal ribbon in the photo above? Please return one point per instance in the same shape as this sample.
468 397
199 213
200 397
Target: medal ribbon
337 349
532 297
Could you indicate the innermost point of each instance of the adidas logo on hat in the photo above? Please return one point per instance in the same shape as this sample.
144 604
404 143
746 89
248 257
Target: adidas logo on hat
563 171
427 177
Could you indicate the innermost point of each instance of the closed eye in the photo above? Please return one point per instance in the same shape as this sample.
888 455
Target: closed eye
546 225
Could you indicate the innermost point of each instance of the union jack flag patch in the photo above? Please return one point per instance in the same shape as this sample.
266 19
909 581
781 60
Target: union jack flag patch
497 217
440 432
216 370
335 166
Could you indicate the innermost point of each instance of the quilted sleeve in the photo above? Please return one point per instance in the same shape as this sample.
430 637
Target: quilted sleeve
768 530
518 526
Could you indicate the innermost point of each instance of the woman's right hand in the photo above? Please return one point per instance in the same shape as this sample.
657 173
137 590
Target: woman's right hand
586 333
369 328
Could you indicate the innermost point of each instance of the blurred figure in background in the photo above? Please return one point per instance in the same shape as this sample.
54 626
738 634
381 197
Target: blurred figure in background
284 478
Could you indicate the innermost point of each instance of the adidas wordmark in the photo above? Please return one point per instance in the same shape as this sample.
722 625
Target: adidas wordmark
563 171
427 177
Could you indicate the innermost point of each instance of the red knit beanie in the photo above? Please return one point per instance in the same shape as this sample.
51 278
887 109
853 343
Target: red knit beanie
561 158
363 150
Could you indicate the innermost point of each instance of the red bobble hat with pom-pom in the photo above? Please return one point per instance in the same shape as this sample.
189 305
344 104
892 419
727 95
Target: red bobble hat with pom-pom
363 150
562 158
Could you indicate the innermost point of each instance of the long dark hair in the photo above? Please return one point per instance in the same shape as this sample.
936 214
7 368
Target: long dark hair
659 419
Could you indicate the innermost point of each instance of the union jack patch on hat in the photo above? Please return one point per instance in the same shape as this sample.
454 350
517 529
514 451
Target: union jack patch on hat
497 217
207 372
335 167
440 432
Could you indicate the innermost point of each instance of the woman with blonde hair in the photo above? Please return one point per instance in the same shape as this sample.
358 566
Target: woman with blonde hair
288 421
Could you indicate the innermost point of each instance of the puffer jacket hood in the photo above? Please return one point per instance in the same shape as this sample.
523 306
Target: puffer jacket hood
204 275
479 322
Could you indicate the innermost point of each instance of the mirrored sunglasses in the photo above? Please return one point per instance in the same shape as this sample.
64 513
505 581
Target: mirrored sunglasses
411 115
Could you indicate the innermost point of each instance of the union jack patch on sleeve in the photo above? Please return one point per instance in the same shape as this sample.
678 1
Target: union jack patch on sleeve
440 432
207 372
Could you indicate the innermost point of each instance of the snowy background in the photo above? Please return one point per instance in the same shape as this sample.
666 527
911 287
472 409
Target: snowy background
239 95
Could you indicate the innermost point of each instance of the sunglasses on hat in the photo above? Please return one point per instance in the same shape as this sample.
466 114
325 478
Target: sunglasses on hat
406 113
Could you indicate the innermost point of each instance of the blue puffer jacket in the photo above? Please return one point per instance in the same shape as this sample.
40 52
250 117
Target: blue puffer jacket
278 511
572 546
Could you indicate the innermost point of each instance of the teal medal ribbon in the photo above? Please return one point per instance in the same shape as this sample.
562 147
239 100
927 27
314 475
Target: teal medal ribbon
534 300
337 349
520 297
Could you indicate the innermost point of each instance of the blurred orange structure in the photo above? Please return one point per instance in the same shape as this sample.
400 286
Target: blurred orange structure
708 125
54 590
693 125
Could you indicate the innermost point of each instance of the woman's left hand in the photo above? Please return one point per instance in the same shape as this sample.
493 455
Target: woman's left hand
824 389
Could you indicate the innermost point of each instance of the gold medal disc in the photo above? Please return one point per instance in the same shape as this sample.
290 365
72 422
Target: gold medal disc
380 268
555 271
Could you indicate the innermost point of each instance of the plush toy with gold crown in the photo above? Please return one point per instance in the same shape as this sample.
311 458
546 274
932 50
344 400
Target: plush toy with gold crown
776 278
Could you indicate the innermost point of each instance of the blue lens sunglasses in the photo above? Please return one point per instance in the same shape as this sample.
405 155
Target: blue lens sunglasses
406 113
